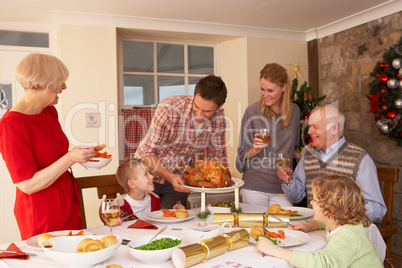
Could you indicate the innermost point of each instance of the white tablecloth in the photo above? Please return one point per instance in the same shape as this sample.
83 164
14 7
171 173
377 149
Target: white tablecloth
240 258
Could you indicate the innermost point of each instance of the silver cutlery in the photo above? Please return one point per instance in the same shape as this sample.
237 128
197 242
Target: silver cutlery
134 213
163 229
285 222
17 252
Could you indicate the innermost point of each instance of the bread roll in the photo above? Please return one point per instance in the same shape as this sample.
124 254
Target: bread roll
181 213
109 241
89 245
284 212
257 231
113 266
274 208
42 238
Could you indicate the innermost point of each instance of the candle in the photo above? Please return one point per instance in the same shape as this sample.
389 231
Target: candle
237 196
202 200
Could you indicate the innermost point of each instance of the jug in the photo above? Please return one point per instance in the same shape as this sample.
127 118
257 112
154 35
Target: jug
194 235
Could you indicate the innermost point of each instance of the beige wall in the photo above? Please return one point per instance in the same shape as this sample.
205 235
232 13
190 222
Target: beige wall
235 74
263 51
90 55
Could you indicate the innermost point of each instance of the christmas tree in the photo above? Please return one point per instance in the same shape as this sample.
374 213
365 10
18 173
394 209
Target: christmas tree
385 93
306 102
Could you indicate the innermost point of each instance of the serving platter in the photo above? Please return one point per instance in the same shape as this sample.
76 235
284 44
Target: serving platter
240 183
158 217
33 241
292 237
305 212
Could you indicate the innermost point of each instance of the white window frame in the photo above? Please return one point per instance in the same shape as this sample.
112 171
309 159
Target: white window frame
155 73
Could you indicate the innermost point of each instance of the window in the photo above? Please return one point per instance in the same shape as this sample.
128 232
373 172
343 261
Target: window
155 70
26 39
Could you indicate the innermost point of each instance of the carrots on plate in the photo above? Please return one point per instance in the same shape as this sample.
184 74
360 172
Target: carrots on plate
98 154
280 234
100 147
168 213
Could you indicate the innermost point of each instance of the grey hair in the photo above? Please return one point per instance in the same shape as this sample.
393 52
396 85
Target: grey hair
333 115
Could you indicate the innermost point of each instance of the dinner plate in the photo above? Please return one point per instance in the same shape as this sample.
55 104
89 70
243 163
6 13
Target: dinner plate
158 217
240 183
292 237
33 241
305 212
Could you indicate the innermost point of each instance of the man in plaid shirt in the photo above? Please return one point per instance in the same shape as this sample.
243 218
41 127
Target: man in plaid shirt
184 129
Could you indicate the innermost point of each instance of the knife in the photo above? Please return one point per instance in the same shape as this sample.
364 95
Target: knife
17 252
279 219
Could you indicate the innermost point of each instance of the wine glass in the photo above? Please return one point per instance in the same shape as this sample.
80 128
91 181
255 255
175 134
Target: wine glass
283 161
265 136
110 212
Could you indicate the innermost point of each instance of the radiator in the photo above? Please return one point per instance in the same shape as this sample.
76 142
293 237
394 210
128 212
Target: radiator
195 198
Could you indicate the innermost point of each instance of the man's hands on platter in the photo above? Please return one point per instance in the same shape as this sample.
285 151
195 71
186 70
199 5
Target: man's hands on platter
177 183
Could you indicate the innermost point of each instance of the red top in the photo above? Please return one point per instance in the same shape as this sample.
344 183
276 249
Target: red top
29 143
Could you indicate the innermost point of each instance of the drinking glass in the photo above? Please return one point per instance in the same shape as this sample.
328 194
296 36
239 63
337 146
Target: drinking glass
110 212
283 161
266 136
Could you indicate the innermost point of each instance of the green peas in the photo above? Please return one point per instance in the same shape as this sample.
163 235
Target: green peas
159 244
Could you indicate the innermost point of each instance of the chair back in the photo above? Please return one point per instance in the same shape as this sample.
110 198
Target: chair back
105 184
389 227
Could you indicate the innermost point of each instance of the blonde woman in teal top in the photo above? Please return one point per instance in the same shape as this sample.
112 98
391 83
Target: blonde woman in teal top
338 206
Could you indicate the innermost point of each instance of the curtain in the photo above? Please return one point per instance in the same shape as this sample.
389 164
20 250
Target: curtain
135 126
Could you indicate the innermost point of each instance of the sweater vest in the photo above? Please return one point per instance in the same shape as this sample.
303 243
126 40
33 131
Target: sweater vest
345 162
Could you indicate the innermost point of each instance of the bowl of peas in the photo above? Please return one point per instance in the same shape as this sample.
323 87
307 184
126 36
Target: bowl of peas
158 251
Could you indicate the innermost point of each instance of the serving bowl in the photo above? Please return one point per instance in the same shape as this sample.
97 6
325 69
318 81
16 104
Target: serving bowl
151 256
64 251
96 163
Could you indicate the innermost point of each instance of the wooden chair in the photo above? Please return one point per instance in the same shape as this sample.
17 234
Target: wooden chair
389 226
105 184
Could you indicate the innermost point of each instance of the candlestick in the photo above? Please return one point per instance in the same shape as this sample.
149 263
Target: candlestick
202 200
237 196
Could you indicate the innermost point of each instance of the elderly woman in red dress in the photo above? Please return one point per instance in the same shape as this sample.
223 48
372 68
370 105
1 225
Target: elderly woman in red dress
35 150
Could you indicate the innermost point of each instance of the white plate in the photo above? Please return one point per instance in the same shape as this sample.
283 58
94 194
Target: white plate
217 190
292 237
305 212
158 217
33 241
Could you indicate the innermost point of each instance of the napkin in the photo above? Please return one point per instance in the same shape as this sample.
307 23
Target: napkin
141 224
13 247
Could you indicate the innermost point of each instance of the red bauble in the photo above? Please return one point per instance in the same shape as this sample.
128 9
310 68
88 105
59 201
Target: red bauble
386 65
377 75
391 115
383 90
381 65
383 79
398 76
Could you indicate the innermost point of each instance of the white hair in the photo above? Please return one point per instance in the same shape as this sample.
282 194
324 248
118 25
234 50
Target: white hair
333 115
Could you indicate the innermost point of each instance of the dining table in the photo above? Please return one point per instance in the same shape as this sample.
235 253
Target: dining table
243 257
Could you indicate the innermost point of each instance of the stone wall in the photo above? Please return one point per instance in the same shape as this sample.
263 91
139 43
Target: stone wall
345 62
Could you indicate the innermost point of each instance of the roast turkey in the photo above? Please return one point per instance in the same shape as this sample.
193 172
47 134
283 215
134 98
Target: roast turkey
208 174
